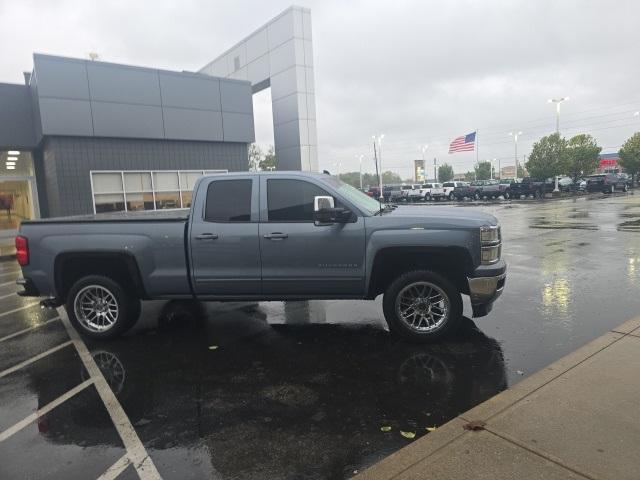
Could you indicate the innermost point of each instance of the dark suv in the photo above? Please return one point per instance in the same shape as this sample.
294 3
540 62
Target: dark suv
606 183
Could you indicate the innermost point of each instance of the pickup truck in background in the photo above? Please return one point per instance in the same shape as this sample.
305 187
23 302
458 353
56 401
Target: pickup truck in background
449 188
468 190
531 186
431 191
267 236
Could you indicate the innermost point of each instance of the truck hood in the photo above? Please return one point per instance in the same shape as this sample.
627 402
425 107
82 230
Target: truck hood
439 217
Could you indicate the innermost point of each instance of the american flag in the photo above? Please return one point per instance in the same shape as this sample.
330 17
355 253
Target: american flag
465 143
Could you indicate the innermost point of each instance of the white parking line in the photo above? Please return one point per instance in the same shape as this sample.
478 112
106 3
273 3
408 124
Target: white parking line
116 469
8 295
135 449
13 272
47 408
24 307
20 332
7 283
8 371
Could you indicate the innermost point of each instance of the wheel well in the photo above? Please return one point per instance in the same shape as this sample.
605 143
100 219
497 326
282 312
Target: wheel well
122 268
452 263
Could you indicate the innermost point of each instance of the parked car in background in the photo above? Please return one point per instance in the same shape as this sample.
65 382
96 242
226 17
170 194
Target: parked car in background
395 192
531 186
465 190
565 184
606 183
505 187
414 194
449 187
491 189
628 179
431 191
404 192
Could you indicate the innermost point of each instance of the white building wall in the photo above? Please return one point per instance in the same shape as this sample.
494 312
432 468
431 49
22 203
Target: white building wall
280 55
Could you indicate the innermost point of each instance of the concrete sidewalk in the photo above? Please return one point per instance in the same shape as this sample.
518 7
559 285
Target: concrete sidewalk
578 418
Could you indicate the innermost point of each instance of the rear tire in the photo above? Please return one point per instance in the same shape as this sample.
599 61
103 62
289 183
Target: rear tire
98 307
451 197
422 306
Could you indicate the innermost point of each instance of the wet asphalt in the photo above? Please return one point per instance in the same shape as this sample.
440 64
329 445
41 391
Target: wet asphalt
302 389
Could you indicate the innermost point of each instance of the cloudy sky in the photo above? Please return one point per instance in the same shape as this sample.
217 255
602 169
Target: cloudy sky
421 72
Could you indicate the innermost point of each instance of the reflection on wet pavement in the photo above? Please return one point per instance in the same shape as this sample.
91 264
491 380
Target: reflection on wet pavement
269 392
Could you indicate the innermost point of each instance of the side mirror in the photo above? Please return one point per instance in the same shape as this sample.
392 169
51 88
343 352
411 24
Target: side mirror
325 213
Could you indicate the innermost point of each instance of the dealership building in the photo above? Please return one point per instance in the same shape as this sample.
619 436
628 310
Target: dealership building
82 136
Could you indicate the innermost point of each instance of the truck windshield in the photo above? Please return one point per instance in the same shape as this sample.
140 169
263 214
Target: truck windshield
355 196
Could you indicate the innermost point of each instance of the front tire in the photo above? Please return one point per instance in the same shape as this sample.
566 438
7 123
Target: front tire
451 197
422 306
98 307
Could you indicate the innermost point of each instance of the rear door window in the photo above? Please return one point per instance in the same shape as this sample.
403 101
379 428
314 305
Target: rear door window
228 201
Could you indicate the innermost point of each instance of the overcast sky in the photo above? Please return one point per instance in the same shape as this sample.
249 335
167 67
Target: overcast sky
421 72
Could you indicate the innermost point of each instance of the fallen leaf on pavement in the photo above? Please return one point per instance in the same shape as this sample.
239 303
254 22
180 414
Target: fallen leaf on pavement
213 347
386 428
431 429
408 434
475 425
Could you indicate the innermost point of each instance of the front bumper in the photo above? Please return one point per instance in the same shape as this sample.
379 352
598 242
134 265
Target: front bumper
485 288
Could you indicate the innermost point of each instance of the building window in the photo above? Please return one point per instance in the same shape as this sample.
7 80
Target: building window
128 191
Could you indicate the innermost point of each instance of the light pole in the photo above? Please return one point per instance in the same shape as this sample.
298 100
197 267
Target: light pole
515 136
423 149
636 114
499 169
378 138
338 164
557 101
360 157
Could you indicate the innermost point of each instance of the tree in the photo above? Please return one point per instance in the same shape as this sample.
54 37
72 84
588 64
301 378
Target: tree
255 156
469 176
521 172
445 172
548 157
630 156
352 178
269 161
483 170
389 177
582 155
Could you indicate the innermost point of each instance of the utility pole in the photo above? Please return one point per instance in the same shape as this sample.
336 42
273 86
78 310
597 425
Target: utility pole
435 169
500 169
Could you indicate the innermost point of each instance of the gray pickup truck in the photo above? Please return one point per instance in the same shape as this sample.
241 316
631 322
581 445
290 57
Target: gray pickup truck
267 236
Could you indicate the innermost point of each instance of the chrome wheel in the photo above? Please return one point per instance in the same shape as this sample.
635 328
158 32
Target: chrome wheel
423 306
96 308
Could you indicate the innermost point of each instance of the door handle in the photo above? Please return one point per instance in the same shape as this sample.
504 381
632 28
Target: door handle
207 236
276 236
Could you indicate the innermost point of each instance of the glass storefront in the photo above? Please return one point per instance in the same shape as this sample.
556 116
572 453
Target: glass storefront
117 191
18 197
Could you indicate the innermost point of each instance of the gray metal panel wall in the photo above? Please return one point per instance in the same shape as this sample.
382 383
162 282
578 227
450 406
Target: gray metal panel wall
16 120
68 162
136 102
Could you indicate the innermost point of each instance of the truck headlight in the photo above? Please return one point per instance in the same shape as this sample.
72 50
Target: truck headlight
490 243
